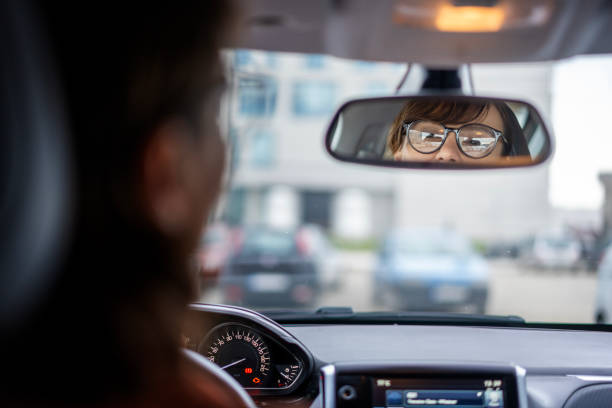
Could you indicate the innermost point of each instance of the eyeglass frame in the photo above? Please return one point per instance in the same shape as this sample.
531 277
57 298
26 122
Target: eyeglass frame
496 133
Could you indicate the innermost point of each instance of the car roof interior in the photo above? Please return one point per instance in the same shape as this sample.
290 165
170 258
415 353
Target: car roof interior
548 30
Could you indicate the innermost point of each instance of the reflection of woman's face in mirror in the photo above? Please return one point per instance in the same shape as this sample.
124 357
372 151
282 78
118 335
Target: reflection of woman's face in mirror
450 152
426 131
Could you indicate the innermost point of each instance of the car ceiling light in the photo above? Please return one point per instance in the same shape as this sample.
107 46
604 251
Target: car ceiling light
476 16
469 19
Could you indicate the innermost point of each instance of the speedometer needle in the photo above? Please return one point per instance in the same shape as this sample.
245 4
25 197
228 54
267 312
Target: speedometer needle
233 364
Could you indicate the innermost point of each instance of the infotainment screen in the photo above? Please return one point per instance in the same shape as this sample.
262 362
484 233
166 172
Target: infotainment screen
437 392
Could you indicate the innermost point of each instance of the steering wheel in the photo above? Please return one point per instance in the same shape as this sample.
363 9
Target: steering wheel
219 380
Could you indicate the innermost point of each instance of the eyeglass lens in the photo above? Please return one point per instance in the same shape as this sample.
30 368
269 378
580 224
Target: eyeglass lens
474 140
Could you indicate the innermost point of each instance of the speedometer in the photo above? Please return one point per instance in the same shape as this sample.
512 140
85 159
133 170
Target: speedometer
240 351
261 355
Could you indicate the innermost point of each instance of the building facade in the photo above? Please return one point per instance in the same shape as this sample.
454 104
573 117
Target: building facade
279 109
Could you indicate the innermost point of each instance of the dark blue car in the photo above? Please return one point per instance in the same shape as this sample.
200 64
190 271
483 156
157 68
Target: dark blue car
270 269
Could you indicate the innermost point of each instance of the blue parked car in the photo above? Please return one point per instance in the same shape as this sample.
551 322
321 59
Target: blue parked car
430 270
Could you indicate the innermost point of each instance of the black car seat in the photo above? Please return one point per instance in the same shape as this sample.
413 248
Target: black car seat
36 189
34 165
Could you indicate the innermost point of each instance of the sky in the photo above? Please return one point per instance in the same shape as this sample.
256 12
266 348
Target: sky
581 114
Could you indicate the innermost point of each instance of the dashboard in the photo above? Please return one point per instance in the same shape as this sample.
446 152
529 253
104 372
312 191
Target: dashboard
259 354
391 365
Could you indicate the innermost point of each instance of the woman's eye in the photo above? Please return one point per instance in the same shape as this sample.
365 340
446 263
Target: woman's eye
430 137
471 142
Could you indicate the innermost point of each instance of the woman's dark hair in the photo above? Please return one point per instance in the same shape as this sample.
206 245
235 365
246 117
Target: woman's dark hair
445 112
114 308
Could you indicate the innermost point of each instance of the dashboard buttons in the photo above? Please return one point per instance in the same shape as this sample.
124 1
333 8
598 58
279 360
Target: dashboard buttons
347 392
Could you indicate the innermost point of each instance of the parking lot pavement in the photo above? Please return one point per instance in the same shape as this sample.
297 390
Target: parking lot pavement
542 296
537 296
355 283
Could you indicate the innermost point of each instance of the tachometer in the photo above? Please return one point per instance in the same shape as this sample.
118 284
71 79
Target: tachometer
240 351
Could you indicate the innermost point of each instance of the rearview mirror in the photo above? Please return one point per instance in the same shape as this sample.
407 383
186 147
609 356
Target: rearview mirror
439 132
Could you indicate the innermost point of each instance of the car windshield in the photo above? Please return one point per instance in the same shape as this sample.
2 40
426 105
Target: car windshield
428 243
270 243
558 242
321 233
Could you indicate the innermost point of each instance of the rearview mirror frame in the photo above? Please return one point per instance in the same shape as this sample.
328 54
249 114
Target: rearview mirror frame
545 155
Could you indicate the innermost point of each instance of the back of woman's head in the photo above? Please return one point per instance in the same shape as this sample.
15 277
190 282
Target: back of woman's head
125 68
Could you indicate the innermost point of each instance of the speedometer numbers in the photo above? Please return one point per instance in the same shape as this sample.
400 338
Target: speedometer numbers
241 352
254 360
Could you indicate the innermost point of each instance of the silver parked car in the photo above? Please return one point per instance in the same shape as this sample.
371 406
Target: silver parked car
552 251
430 269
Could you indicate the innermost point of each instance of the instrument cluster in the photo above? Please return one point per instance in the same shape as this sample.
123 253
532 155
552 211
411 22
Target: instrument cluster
263 357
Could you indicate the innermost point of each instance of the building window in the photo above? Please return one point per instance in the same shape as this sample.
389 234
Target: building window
263 148
271 60
315 61
233 212
233 135
257 96
314 98
242 58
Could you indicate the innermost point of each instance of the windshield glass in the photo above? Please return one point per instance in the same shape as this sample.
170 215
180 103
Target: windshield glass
267 243
303 231
428 243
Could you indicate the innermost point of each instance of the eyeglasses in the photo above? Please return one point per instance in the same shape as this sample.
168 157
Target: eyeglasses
474 140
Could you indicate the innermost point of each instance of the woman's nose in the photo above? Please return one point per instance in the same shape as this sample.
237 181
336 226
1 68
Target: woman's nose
449 150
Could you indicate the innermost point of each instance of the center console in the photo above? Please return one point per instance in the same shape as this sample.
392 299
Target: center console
434 385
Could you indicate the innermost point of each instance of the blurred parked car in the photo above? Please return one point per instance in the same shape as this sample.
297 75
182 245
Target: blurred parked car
552 250
603 306
502 250
597 252
215 249
313 241
270 269
430 269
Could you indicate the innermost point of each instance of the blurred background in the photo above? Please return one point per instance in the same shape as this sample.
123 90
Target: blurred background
296 229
